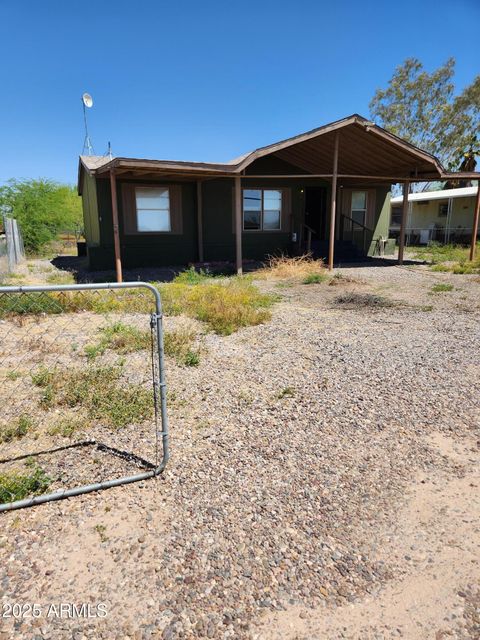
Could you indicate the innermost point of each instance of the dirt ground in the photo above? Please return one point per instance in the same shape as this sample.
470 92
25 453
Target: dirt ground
323 484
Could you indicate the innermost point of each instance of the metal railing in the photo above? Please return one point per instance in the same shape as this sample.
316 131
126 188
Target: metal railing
310 231
355 230
83 404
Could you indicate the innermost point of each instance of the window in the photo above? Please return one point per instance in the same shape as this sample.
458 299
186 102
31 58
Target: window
443 210
396 220
262 209
153 209
359 206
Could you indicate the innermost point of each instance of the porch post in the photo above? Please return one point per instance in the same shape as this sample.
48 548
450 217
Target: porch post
476 216
238 225
333 205
116 234
403 224
199 220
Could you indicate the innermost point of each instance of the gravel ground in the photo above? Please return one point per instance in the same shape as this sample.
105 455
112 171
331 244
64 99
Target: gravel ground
309 455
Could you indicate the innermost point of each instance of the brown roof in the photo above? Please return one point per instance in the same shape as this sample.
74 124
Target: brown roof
365 149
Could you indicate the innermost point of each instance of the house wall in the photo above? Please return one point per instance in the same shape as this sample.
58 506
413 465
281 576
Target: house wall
423 216
90 210
140 250
144 250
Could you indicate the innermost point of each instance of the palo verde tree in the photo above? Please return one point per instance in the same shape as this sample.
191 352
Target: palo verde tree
43 209
422 107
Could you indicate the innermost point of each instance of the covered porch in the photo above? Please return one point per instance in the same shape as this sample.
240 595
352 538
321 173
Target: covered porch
335 176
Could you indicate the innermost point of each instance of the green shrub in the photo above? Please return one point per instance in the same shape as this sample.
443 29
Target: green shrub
17 486
179 345
68 426
314 278
17 430
191 276
98 391
438 288
120 337
224 305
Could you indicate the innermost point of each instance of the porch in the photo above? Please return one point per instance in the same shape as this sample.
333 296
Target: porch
326 190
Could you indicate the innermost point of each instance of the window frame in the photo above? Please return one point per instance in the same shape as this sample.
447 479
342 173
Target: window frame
262 209
364 209
396 216
152 187
128 212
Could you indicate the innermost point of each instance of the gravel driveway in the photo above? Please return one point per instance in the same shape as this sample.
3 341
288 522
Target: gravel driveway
322 464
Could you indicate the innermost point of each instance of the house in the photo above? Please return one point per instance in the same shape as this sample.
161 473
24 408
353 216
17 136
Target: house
436 216
327 190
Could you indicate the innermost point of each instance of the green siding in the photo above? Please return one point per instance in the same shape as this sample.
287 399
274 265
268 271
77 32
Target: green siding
145 250
218 222
90 210
382 218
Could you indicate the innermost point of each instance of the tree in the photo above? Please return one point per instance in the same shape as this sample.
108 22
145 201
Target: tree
422 108
43 208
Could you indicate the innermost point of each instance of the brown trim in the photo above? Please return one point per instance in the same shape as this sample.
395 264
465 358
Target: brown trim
333 204
284 211
129 209
116 233
238 225
476 216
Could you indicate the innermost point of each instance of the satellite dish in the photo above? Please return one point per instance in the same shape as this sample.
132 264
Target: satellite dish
87 100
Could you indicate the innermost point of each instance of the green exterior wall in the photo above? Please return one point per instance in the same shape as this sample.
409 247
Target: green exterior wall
382 217
218 222
90 210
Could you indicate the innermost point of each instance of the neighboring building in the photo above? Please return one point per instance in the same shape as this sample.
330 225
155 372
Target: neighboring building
436 216
277 199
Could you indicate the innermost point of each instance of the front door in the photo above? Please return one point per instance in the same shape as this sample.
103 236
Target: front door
316 211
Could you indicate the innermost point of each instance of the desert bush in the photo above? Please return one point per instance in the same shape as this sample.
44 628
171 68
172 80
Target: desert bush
441 287
179 344
297 268
96 390
16 430
15 485
225 305
119 337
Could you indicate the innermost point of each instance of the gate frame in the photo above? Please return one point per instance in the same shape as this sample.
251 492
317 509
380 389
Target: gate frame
159 389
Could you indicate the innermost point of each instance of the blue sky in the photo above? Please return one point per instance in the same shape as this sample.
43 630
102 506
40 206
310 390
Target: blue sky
205 80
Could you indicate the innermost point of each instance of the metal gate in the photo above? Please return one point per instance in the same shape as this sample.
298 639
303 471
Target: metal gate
83 401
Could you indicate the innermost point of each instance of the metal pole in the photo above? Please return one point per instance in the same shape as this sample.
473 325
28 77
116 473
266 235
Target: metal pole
448 221
403 224
238 225
476 216
199 221
116 233
333 205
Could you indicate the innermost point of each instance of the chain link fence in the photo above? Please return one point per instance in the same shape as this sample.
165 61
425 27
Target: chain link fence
83 403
